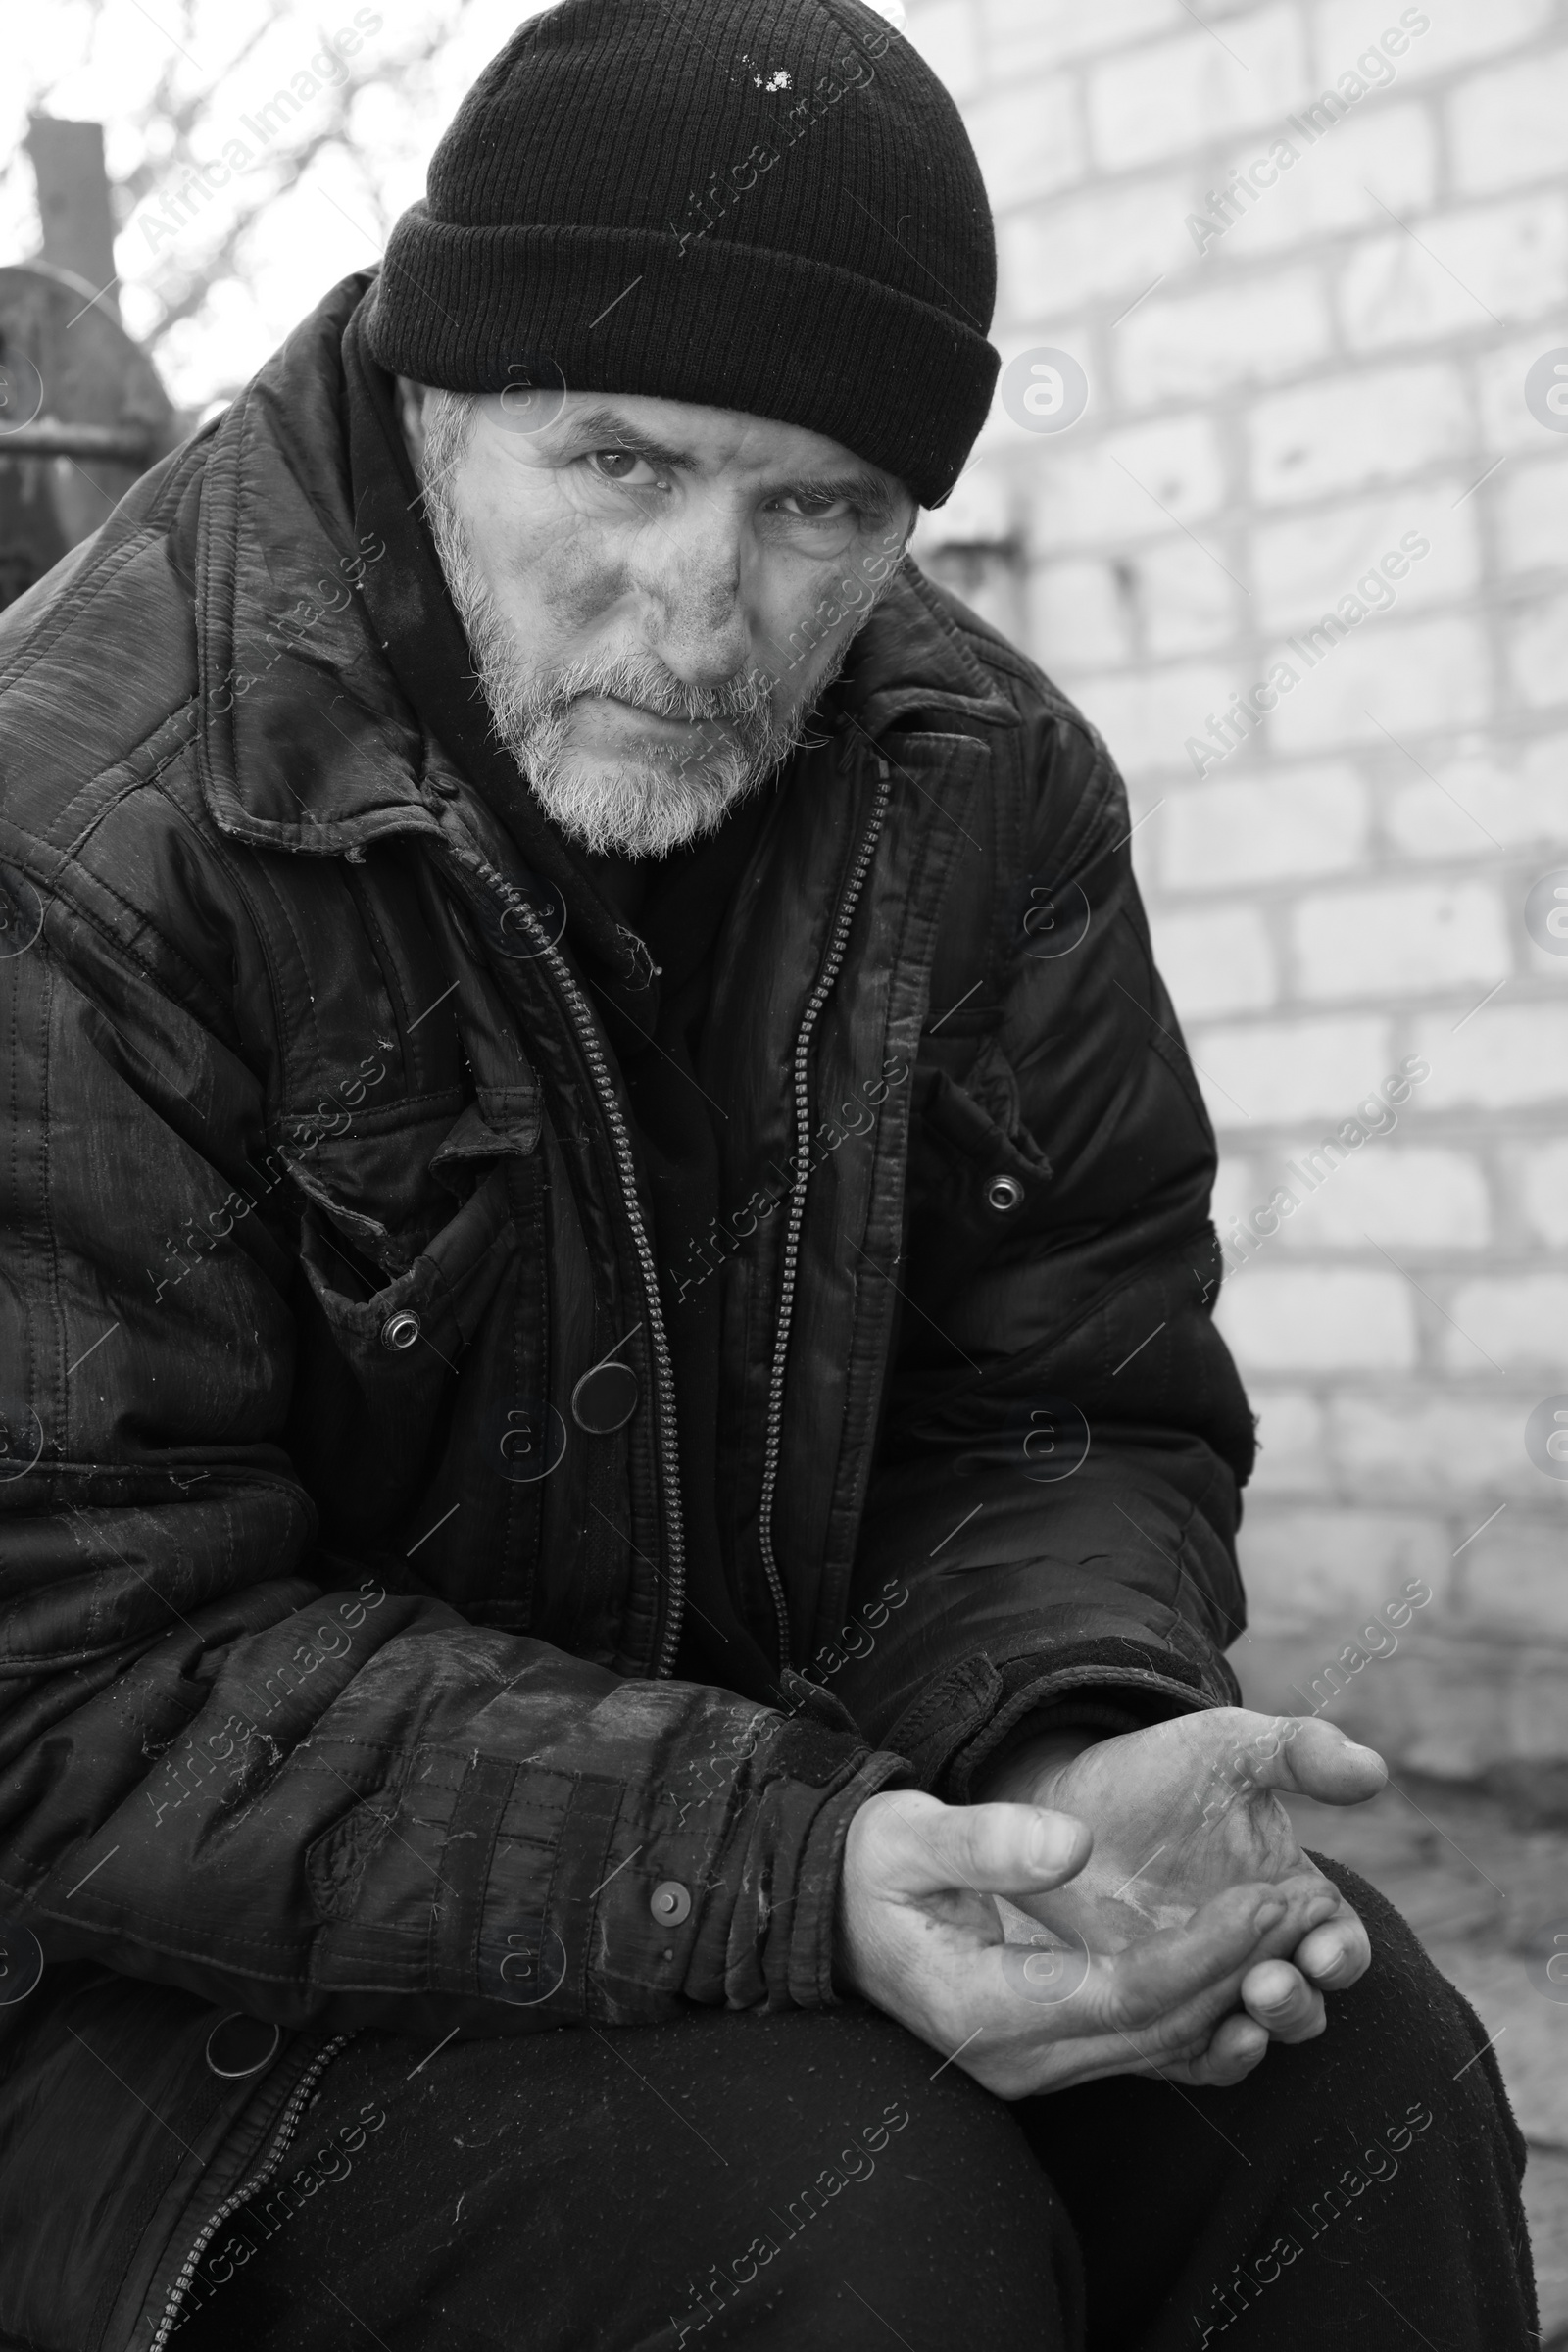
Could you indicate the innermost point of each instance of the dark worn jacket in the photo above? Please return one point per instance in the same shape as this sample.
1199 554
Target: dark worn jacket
335 1622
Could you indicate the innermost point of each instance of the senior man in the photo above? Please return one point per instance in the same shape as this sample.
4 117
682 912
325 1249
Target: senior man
620 1499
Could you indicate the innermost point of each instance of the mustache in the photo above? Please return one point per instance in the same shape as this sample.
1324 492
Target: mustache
741 700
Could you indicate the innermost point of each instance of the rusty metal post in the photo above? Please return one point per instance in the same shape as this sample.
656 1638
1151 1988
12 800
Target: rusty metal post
78 230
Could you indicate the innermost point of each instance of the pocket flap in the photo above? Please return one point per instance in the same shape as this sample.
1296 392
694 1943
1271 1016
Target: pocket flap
502 1122
981 1116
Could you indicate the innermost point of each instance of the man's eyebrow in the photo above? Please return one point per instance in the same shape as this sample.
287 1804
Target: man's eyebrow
605 428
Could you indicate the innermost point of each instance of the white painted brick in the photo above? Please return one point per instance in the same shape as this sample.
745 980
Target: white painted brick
1506 128
1537 650
1187 603
1108 244
1504 1055
1292 1458
1319 1319
1147 714
1472 803
1506 424
1217 961
1416 935
1543 1180
1416 1445
1532 511
1538 1708
1281 1073
1219 336
1027 140
1170 95
1453 35
1303 566
985 505
1022 35
1113 489
1301 1565
1376 158
1517 1320
1387 1192
1409 678
1454 1713
1300 821
1348 432
1508 259
947 34
1424 1709
1515 1579
1235 1190
1076 618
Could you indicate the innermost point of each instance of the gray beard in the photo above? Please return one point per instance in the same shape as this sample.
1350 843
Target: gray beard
644 806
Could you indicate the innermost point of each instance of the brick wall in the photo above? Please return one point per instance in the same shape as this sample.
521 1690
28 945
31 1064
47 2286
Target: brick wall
1287 386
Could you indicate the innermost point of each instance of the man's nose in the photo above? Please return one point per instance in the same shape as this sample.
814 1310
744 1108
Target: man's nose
694 576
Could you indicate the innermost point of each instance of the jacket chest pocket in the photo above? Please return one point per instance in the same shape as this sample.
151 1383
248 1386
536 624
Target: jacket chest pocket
383 1355
388 1319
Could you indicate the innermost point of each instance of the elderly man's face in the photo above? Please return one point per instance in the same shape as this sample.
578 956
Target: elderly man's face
655 594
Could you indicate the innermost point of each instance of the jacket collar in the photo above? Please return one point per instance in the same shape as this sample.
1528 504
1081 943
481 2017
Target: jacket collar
909 658
306 742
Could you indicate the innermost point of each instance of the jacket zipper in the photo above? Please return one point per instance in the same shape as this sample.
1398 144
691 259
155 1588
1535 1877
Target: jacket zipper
664 1372
774 1436
288 2125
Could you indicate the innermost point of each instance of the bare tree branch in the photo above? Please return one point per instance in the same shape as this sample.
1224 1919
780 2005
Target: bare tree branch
176 128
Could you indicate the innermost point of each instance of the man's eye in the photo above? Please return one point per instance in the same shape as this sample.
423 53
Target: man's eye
615 465
823 506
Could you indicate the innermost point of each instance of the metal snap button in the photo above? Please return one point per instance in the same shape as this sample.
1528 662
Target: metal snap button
670 1903
401 1330
604 1398
1004 1192
241 2046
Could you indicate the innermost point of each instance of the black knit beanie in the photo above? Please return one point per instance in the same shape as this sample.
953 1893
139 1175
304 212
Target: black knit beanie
765 205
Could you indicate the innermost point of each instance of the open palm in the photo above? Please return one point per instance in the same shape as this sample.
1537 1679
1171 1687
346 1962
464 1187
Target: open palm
1188 1808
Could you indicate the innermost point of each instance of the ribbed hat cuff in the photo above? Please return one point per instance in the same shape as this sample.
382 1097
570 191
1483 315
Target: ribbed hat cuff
636 311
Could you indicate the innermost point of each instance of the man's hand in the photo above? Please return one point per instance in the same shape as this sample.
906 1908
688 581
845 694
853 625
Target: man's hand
1185 1810
921 1934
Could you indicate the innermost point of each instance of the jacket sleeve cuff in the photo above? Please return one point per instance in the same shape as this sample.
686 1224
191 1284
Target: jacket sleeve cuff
961 1719
810 1981
777 1947
1033 1700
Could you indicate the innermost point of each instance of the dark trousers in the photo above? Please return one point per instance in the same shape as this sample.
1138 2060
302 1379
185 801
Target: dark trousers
826 2181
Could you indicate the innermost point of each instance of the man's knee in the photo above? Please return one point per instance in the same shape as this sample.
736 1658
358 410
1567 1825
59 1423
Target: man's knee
887 2181
1413 2031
